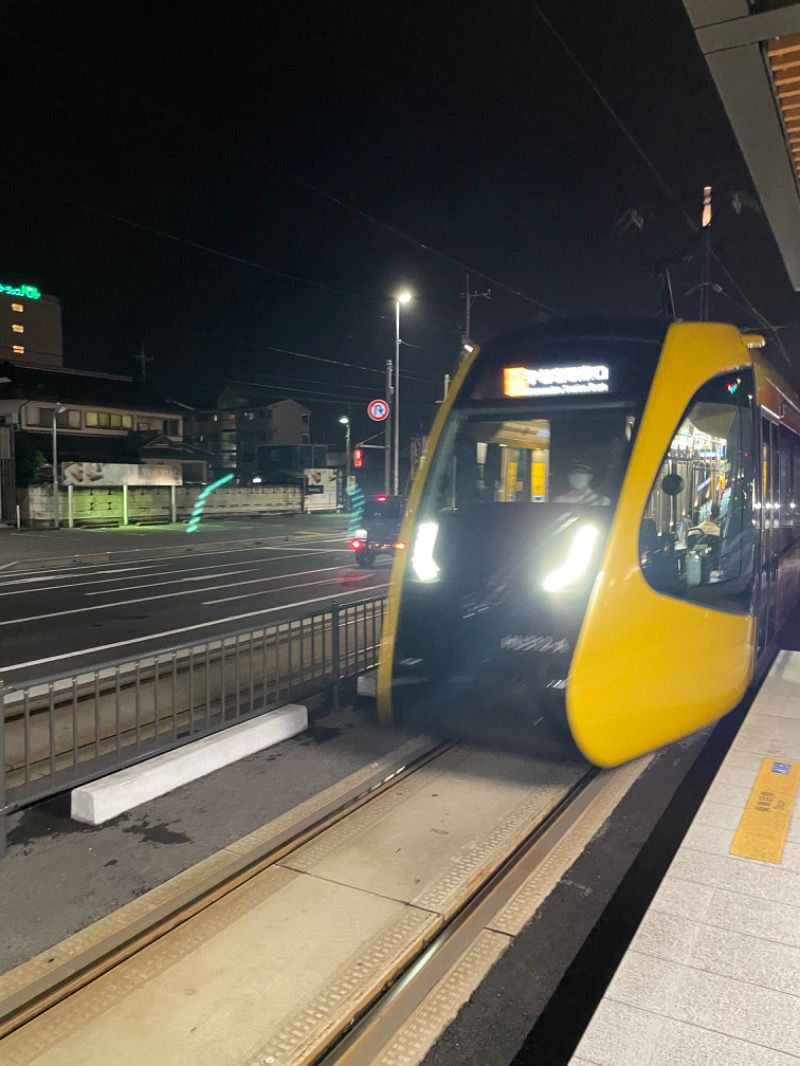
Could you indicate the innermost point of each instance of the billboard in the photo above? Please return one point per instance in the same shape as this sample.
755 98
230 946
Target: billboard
321 489
108 475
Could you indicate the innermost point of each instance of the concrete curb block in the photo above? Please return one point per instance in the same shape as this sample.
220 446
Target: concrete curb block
367 684
102 800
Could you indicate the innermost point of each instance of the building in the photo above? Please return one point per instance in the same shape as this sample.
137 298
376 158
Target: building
30 326
236 432
753 52
99 419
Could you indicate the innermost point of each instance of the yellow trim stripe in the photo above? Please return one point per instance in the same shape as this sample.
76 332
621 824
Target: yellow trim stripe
390 618
765 822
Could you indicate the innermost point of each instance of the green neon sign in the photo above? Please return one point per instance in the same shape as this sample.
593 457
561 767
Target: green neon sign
197 510
27 292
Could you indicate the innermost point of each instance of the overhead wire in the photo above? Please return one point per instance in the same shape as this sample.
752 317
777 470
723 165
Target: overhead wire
197 245
322 359
180 118
761 319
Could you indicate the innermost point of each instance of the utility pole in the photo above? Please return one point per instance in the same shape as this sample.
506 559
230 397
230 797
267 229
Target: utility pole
143 360
387 431
469 299
705 281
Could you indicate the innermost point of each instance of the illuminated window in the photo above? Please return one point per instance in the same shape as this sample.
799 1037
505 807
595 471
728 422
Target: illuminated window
127 421
696 539
19 349
91 418
17 328
17 307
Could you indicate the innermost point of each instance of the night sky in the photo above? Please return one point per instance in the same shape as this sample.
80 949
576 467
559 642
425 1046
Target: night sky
464 125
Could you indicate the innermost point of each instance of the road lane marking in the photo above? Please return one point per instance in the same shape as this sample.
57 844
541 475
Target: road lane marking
110 580
249 595
211 577
173 633
151 599
174 581
343 538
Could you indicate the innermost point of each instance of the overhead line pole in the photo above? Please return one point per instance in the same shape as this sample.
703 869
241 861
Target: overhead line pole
387 432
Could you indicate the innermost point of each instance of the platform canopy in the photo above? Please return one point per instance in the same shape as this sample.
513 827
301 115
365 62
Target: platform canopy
753 53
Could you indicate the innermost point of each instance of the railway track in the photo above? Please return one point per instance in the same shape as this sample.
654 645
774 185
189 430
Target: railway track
343 932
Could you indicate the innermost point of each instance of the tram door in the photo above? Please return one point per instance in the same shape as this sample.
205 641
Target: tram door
769 468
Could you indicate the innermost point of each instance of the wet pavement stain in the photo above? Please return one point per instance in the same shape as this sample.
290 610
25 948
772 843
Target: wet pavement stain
160 833
51 819
319 734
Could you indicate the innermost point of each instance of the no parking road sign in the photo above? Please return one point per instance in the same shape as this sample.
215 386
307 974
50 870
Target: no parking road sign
378 410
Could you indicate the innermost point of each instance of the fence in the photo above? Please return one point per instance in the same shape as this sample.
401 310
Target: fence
65 730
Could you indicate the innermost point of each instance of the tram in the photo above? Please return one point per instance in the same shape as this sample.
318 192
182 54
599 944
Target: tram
606 522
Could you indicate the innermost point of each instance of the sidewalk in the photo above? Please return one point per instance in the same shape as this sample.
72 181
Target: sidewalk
36 549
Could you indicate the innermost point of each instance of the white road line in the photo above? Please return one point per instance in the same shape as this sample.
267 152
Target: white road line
193 554
171 633
231 585
150 599
249 595
110 580
174 581
72 572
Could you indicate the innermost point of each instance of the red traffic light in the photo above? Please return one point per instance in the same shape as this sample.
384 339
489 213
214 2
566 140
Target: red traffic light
358 457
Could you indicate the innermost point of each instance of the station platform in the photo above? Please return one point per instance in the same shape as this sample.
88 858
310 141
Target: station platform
712 975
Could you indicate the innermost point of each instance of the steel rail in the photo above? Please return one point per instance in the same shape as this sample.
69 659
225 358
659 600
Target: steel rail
39 996
369 1035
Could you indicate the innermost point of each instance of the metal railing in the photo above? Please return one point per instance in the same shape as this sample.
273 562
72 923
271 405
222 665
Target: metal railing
62 731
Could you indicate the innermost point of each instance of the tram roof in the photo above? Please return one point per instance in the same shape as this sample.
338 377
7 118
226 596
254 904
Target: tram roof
754 58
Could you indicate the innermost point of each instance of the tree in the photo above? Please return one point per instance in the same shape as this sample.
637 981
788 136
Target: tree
28 460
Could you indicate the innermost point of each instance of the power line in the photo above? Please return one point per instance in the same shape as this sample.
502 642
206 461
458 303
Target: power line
654 170
254 157
313 393
185 240
322 359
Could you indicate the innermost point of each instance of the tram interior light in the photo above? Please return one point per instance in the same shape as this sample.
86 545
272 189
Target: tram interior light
577 561
422 560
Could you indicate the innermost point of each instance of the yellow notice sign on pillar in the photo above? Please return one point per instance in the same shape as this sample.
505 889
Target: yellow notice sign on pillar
765 822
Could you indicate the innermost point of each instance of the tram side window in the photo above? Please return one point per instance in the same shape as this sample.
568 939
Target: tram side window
696 538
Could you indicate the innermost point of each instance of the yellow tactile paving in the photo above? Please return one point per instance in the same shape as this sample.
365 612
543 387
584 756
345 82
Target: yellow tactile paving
765 822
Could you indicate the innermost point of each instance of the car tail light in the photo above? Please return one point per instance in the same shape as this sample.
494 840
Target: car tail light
356 544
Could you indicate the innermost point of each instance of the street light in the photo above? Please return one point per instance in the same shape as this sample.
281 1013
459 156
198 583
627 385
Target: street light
345 421
403 298
56 412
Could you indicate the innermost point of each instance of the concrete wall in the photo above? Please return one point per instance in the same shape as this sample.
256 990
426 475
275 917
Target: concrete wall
152 505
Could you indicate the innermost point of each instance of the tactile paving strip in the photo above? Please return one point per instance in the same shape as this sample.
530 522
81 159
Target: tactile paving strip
351 988
516 915
332 840
448 891
28 1043
134 914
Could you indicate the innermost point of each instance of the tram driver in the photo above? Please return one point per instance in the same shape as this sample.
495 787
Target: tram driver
580 488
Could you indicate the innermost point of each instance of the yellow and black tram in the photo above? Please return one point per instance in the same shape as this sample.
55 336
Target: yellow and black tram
606 520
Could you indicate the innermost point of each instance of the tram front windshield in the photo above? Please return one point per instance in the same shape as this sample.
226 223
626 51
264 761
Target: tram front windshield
572 457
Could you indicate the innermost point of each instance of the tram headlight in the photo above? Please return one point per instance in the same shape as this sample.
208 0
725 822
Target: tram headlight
422 560
577 561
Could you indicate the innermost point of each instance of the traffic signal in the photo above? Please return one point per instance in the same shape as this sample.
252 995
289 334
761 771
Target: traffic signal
358 457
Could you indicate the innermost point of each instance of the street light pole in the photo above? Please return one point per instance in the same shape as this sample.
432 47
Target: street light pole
345 421
403 298
56 412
